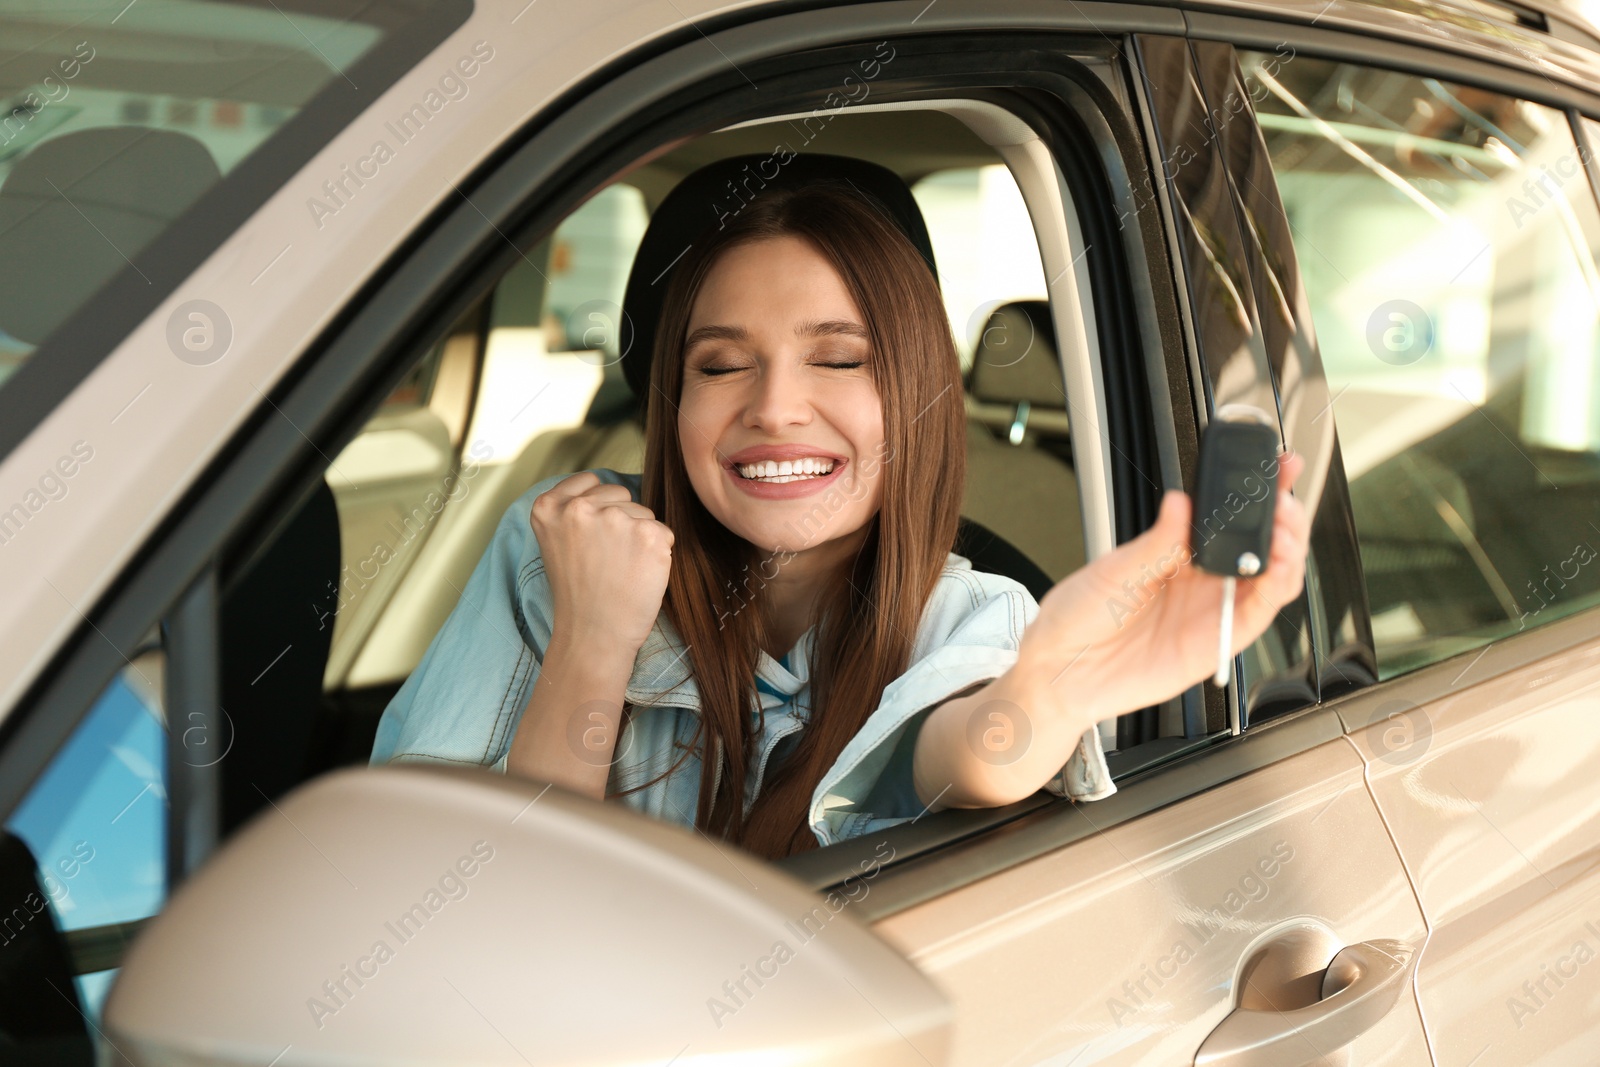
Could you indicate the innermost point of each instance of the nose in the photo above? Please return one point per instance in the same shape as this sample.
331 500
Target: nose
779 397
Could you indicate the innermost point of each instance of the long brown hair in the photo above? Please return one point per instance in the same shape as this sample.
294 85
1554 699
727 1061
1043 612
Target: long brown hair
867 617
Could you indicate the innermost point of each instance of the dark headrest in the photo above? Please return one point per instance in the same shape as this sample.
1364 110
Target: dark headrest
1016 358
119 187
717 190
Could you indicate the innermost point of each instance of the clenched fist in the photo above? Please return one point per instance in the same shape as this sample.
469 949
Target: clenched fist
606 558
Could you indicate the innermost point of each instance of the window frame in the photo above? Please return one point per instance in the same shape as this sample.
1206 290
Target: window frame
1040 826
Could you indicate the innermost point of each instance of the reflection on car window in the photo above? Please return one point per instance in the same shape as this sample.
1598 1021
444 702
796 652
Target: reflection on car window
116 118
1448 237
95 824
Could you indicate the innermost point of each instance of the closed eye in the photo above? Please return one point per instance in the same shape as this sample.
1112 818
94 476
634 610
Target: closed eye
717 371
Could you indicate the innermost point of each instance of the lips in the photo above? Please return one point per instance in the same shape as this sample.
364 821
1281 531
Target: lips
785 490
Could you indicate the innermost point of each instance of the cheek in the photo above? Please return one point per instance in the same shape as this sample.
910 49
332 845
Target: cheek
872 453
862 414
698 433
694 433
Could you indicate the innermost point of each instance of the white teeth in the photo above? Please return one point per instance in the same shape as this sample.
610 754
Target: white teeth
786 470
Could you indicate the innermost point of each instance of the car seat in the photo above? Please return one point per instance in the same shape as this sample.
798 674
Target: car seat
73 207
1017 482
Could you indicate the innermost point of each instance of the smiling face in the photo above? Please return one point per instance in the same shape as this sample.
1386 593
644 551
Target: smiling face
777 380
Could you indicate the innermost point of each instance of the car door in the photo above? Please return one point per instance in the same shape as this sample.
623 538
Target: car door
1459 330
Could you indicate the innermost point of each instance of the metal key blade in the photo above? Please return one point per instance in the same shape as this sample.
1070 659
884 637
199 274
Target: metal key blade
1225 637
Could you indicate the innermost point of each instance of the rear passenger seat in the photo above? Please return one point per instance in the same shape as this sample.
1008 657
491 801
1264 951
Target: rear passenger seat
1016 406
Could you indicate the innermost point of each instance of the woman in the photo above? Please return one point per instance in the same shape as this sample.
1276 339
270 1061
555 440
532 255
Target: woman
777 588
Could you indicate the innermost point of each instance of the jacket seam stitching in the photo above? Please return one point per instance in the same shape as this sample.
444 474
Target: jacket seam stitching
505 700
968 581
436 756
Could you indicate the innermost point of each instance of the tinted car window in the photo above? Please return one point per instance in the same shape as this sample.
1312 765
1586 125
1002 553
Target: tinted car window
94 827
117 120
1447 236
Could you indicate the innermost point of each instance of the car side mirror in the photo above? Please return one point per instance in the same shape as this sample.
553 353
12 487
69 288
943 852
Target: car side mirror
435 915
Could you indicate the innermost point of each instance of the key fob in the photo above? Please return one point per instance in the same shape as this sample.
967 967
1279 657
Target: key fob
1236 494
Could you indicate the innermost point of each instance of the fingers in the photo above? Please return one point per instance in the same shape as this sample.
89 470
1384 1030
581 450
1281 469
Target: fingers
1175 508
1289 468
606 493
1262 598
627 507
1170 531
1285 577
1290 535
587 486
573 485
1163 549
1291 530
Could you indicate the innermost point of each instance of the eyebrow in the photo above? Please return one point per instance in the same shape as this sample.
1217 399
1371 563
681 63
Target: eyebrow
809 328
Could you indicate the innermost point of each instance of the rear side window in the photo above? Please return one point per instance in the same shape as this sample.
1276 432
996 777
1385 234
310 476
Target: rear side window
116 122
1447 236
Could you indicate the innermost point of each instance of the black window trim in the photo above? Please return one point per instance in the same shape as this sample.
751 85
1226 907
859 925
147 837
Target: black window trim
1178 88
1335 577
1509 76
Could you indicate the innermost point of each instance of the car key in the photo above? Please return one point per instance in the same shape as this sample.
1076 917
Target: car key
1235 504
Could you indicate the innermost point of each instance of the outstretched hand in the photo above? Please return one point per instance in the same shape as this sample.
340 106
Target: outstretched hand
1140 624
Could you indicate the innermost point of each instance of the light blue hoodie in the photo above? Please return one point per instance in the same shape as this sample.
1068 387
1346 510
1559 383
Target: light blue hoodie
463 702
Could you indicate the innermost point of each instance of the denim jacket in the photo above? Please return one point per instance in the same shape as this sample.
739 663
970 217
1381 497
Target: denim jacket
463 702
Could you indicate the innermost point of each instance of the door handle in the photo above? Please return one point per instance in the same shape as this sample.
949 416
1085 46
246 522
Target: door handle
1361 984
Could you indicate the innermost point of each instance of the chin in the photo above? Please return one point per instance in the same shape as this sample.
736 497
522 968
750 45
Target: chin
768 539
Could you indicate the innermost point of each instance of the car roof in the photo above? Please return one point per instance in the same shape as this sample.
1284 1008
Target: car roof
1553 39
